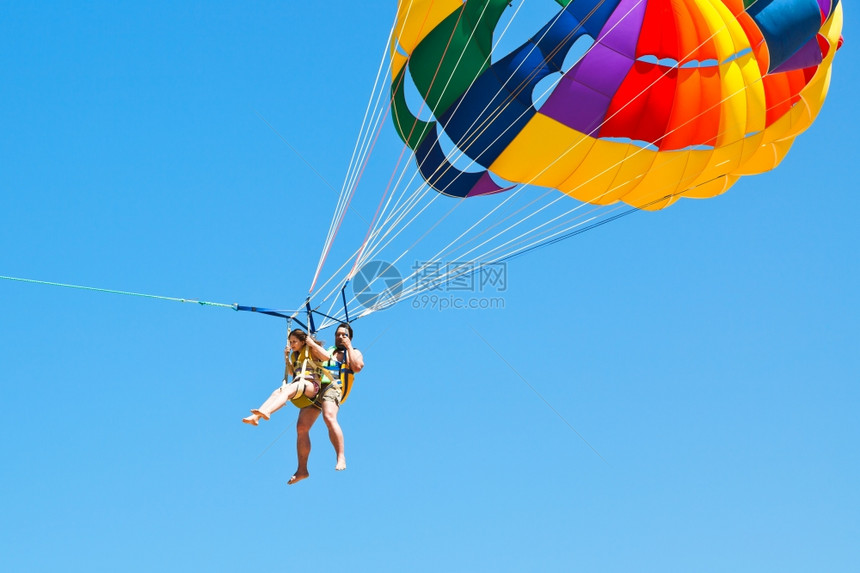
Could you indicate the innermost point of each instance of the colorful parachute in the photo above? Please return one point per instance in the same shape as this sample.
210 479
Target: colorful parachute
671 97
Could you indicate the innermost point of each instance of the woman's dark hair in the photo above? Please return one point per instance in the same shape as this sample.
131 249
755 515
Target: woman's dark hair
303 336
347 327
300 334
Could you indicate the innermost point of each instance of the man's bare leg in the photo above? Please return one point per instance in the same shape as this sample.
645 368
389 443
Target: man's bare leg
307 417
335 434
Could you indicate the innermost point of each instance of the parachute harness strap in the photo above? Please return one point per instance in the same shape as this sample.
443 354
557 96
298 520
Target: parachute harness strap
343 296
300 391
311 327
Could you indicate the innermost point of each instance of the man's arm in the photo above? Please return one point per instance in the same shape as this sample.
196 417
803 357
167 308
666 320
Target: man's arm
354 358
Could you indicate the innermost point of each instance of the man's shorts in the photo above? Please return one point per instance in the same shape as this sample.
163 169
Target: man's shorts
329 393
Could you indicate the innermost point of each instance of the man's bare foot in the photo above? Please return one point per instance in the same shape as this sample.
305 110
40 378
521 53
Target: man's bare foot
297 477
253 419
341 464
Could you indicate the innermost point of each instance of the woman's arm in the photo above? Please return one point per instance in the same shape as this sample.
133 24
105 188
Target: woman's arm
317 351
288 369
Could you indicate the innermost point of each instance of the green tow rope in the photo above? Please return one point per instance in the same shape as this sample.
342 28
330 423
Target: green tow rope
79 287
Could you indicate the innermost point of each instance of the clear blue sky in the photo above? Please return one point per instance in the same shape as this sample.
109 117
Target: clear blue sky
707 354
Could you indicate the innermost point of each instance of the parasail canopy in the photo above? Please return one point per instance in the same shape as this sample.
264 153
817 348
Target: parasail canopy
664 98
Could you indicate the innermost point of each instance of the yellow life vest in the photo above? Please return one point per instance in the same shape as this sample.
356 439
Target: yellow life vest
304 366
340 372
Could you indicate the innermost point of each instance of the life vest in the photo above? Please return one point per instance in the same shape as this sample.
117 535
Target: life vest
340 372
304 366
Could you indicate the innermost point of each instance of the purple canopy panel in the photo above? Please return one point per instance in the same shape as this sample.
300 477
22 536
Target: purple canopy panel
621 32
807 56
486 186
824 6
585 115
583 95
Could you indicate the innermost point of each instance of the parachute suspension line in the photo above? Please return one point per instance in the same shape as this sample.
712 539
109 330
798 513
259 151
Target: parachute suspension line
551 241
464 268
362 136
518 241
338 220
379 116
532 231
389 229
365 159
668 70
481 128
571 234
508 98
358 253
359 257
468 268
561 196
342 214
458 62
353 173
414 123
600 223
539 244
445 88
342 290
359 260
347 262
426 232
518 89
559 236
330 294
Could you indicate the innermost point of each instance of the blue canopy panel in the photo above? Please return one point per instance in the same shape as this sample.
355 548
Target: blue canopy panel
490 114
787 26
447 179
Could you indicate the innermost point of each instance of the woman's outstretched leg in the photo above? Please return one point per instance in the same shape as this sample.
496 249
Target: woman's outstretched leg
273 403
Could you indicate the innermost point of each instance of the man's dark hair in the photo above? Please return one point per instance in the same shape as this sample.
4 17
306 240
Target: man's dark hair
347 327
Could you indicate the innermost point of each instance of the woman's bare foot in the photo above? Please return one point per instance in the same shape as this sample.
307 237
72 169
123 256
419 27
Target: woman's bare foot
260 414
253 419
297 477
341 463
